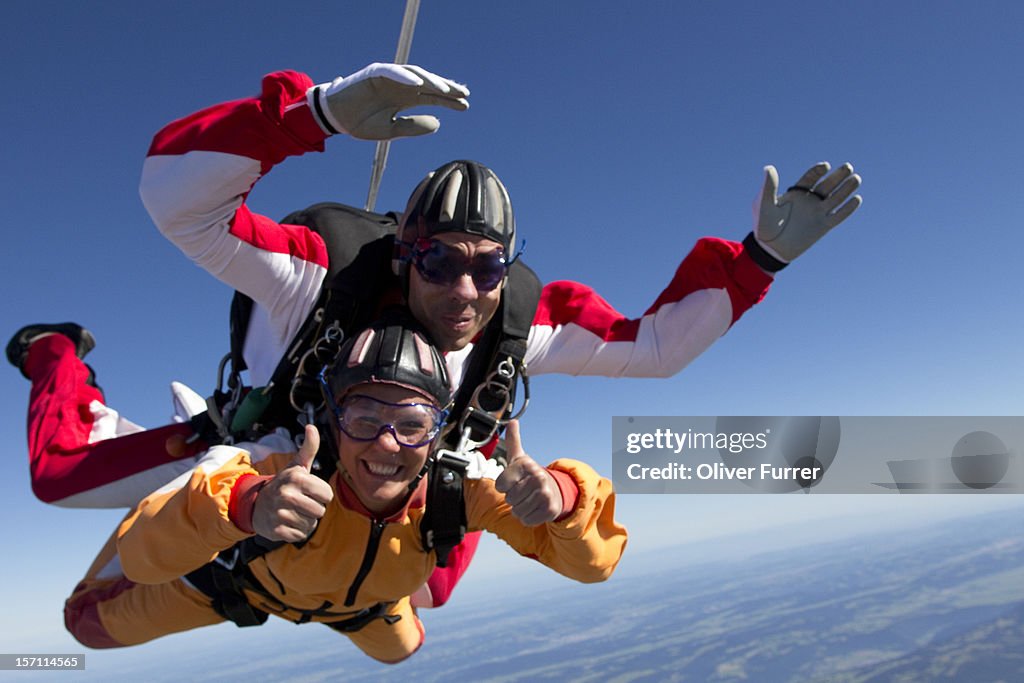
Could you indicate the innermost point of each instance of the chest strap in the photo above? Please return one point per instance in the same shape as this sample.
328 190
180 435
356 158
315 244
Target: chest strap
226 578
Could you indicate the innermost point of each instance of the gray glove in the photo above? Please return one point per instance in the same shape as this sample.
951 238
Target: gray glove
787 226
365 105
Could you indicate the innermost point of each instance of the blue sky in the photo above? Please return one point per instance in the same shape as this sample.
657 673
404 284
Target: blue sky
623 136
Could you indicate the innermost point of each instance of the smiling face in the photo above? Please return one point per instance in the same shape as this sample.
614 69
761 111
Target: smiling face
379 471
454 313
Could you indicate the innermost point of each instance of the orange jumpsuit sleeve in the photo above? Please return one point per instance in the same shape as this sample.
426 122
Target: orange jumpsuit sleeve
586 545
172 532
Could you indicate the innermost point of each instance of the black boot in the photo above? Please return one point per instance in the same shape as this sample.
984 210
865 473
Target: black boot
17 348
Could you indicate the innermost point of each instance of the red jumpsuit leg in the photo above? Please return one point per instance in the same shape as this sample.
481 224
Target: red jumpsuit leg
443 580
66 416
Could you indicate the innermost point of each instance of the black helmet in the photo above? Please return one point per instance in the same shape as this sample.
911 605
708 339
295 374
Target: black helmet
393 351
461 196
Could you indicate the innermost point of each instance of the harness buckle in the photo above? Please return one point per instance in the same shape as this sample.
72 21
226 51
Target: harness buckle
230 561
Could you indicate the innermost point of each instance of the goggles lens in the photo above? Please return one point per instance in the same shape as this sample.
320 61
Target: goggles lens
440 264
364 418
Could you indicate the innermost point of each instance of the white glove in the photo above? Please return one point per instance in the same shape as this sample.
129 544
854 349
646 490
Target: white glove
365 105
787 226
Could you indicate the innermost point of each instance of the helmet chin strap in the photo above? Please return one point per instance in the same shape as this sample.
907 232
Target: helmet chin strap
343 474
426 465
423 472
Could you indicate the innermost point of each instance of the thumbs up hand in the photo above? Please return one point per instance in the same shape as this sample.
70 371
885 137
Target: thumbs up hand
289 506
529 488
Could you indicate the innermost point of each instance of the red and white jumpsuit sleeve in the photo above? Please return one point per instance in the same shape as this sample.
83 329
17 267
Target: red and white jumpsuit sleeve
195 180
577 332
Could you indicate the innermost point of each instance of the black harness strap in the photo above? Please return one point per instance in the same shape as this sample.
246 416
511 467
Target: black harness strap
225 587
225 579
353 624
444 521
492 402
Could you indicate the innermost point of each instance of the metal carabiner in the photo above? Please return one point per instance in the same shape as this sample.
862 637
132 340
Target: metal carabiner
300 371
306 416
526 394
